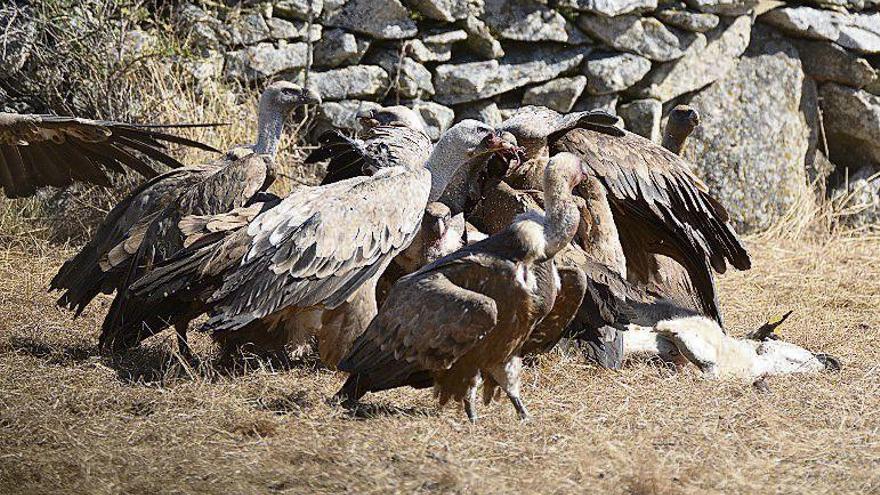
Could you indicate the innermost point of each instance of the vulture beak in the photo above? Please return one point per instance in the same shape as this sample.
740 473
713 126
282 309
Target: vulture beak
506 148
310 97
367 120
830 362
765 331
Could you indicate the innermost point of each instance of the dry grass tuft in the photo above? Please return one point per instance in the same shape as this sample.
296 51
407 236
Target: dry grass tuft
72 420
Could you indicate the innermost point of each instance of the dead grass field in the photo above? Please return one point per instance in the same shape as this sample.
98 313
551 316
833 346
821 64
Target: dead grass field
72 421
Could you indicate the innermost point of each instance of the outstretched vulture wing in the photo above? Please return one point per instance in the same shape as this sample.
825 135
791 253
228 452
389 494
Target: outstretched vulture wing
47 150
318 246
661 208
382 146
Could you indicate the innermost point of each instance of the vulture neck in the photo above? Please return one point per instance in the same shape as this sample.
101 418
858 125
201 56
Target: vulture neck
601 239
561 216
445 162
270 124
675 136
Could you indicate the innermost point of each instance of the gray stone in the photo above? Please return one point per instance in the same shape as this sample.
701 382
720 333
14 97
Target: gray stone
246 30
689 21
436 47
410 78
17 37
298 9
343 114
442 10
484 111
337 48
846 5
380 19
459 83
137 43
480 39
437 118
607 103
529 20
858 200
293 30
642 117
264 60
201 29
354 82
610 73
610 8
753 138
702 64
825 61
558 94
723 7
645 36
860 32
851 120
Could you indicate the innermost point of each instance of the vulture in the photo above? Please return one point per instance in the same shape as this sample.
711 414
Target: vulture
644 215
463 318
143 230
308 265
49 150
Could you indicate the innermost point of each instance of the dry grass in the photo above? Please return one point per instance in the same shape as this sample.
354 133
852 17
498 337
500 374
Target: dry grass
72 421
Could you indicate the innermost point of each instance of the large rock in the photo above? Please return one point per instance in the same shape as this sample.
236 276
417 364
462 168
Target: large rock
298 9
703 63
859 199
825 61
753 139
435 47
697 22
337 48
723 7
264 60
609 8
860 32
410 78
437 118
846 5
529 20
644 36
609 73
200 29
282 29
484 111
851 120
558 94
442 10
381 19
480 39
459 83
642 117
16 38
343 114
246 30
356 81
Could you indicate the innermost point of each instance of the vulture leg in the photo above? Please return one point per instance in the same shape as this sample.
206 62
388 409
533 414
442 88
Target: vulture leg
182 343
343 324
604 346
470 400
507 377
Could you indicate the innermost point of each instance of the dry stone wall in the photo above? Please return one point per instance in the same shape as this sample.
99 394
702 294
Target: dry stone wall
789 91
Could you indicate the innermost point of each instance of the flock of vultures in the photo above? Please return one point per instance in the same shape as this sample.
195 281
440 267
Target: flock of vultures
413 263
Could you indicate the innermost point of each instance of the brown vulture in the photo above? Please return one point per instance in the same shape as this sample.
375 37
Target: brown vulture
142 230
465 317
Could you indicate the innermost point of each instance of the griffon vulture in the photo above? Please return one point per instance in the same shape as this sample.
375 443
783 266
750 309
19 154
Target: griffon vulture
48 150
465 317
309 265
142 230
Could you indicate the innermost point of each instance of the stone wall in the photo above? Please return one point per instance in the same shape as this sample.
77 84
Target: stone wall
788 91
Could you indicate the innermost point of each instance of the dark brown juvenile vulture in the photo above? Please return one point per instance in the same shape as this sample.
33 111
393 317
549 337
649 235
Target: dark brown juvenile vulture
657 206
309 265
142 230
48 150
466 316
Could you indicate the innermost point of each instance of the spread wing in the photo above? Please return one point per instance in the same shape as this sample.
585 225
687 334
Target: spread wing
660 207
318 246
47 150
383 146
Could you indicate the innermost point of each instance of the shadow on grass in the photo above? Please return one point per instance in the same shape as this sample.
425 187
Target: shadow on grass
362 411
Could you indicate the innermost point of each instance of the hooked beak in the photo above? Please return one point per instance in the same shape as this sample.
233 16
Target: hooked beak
505 146
367 120
310 97
830 362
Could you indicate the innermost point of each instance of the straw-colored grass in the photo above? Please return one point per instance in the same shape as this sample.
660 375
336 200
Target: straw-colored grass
73 421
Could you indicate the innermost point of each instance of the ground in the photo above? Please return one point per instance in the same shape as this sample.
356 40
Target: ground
76 422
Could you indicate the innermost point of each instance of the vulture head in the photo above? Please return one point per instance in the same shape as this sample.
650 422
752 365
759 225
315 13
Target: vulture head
460 156
397 115
683 119
276 103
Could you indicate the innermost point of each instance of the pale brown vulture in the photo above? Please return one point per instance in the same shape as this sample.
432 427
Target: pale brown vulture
466 316
48 150
142 230
309 265
658 207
